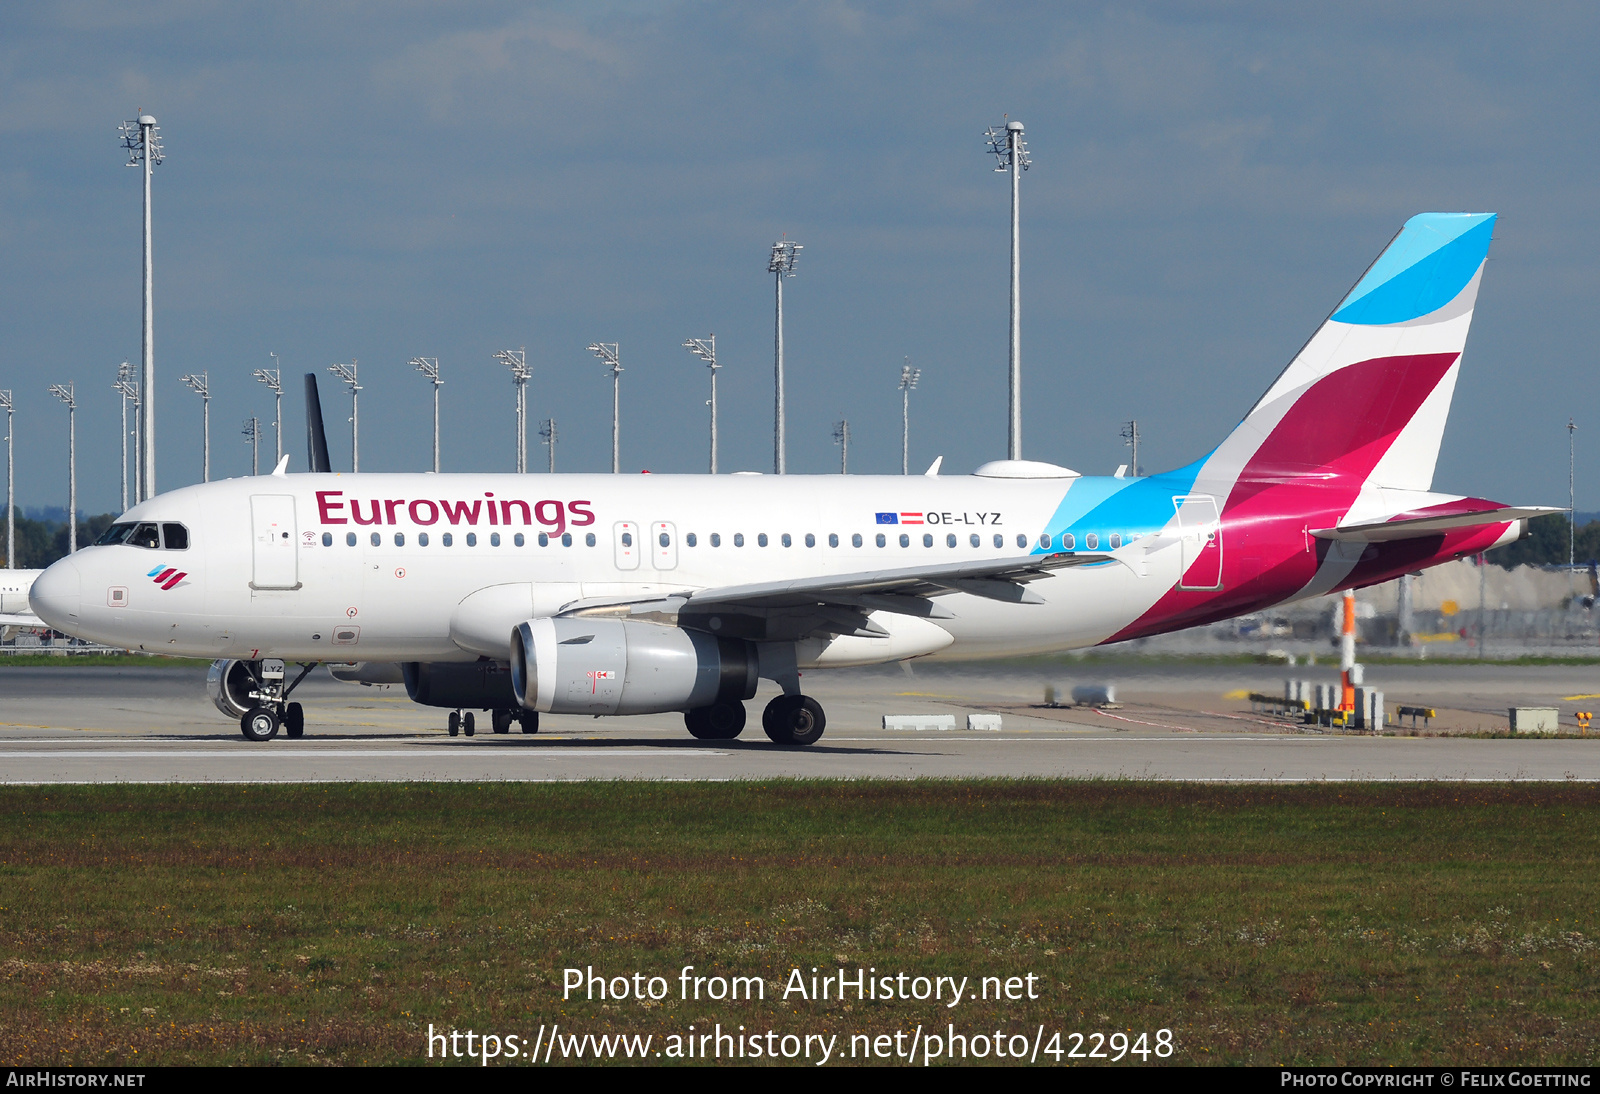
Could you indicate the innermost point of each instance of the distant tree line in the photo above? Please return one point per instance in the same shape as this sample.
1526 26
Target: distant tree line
41 542
1546 544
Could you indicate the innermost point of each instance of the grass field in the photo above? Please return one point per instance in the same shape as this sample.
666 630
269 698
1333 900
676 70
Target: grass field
1446 923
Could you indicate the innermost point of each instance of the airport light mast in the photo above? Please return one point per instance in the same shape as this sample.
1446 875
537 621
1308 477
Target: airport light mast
11 482
706 349
548 432
517 361
142 138
908 383
1130 437
252 433
273 378
65 394
841 437
429 367
1572 517
202 387
784 254
347 375
1006 142
129 390
611 354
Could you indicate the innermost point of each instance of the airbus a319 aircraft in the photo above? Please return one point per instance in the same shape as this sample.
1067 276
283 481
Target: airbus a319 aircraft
598 594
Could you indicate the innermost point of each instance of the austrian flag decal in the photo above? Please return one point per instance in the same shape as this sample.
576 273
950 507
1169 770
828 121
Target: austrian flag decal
168 577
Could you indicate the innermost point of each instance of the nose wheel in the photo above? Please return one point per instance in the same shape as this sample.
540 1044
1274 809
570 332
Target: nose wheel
794 720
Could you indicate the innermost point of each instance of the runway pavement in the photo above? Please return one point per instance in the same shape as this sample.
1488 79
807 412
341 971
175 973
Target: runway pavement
146 724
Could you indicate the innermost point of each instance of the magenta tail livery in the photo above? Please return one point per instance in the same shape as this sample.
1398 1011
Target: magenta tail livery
601 594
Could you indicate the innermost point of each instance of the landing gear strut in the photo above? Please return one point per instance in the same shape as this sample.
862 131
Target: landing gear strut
717 722
273 709
794 720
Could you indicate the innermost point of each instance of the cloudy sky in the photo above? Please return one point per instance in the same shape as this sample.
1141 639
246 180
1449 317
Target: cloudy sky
379 181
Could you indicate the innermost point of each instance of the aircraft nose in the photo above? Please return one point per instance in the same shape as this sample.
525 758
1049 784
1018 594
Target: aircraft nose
56 594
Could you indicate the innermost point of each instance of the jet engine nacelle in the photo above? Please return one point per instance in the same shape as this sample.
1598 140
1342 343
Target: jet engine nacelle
229 684
616 666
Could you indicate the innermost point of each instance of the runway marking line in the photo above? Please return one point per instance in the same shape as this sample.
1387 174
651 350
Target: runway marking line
1136 721
348 753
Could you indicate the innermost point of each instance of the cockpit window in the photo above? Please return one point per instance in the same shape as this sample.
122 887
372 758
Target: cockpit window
146 534
117 533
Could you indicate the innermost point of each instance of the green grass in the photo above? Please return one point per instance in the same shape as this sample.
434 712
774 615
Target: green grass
79 660
1445 923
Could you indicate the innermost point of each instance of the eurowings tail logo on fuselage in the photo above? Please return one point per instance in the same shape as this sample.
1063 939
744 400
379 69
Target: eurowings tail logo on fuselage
168 577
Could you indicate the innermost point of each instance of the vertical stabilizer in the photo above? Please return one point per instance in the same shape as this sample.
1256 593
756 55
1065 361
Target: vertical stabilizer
1365 400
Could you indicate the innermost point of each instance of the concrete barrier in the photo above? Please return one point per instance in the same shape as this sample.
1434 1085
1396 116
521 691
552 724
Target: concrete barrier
920 722
987 722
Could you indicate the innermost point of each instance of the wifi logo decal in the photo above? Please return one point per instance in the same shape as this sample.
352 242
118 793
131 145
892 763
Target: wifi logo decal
168 577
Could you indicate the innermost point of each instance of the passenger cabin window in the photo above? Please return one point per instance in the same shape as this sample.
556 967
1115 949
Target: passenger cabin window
999 540
448 540
588 539
738 539
1044 541
376 539
716 539
1022 541
833 540
1069 541
349 539
399 539
518 540
327 539
905 540
811 540
1116 540
494 539
472 539
175 537
976 542
422 539
881 541
566 539
785 540
762 539
544 539
1091 541
691 539
950 540
855 540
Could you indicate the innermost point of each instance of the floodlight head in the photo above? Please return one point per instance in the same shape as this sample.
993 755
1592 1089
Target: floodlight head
785 253
5 400
705 349
65 394
1001 138
909 377
608 352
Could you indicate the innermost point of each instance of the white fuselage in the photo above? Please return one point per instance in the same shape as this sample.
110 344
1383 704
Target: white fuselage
334 567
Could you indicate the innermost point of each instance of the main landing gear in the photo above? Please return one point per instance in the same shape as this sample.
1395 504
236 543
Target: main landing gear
273 709
788 720
499 720
528 720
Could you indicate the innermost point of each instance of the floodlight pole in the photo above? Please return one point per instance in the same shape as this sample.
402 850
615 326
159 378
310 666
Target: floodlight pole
429 367
1012 153
548 432
202 387
706 349
11 513
517 361
841 437
781 265
1572 517
273 378
252 433
347 374
908 383
65 394
142 138
1130 437
125 388
610 353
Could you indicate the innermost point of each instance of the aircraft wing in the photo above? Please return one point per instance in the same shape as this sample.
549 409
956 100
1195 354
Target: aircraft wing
26 619
840 603
1419 523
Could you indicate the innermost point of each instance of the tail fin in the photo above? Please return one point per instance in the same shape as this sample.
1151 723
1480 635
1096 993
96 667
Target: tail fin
1365 400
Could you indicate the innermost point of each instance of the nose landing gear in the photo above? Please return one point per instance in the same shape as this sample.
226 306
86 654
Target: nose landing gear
273 709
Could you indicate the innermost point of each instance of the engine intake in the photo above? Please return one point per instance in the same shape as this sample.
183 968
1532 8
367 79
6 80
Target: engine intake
229 684
616 666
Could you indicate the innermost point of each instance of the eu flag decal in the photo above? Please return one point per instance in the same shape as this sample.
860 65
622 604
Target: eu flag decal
888 518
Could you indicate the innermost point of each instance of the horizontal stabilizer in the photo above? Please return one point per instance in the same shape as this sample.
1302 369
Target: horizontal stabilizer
1406 527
